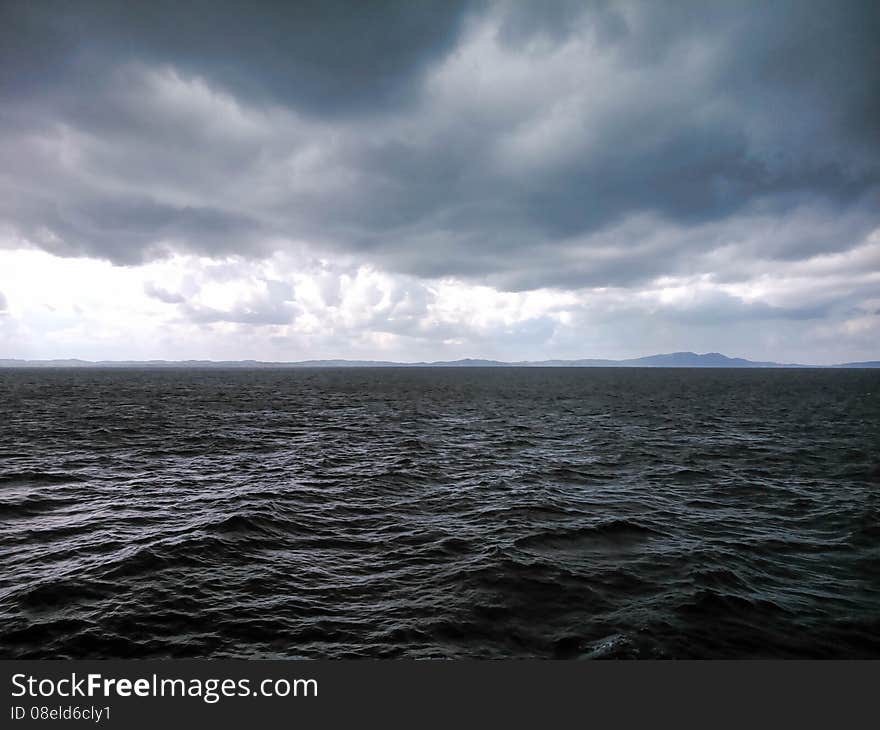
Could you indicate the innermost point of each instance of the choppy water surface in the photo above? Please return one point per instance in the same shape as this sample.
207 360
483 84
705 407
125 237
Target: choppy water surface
440 513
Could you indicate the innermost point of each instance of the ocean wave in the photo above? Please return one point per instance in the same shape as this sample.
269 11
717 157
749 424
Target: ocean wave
579 514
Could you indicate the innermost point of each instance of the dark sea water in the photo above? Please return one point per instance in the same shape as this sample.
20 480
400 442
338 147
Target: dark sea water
440 513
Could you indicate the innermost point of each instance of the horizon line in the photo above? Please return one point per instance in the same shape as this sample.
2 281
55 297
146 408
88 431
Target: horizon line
678 359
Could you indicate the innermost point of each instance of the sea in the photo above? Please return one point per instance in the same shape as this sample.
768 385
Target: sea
565 513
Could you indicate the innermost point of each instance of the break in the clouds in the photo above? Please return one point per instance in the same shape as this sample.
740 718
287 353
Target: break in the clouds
433 179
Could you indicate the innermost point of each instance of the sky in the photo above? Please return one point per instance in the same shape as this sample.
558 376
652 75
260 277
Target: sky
433 180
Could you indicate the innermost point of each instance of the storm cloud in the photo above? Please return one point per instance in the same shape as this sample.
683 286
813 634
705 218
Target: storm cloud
522 146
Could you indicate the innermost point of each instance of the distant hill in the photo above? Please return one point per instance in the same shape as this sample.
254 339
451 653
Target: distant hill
667 360
467 362
693 360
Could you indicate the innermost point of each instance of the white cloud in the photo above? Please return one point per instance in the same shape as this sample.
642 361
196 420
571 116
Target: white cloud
298 306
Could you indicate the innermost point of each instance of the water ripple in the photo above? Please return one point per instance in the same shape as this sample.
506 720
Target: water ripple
439 513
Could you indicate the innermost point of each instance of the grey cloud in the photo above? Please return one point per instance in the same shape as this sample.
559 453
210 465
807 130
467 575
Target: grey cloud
704 120
404 313
162 294
524 22
3 303
249 313
719 308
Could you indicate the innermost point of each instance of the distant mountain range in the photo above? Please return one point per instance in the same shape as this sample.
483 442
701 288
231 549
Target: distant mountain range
668 360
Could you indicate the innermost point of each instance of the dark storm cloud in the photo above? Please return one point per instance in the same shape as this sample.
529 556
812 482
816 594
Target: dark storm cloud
571 144
328 56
